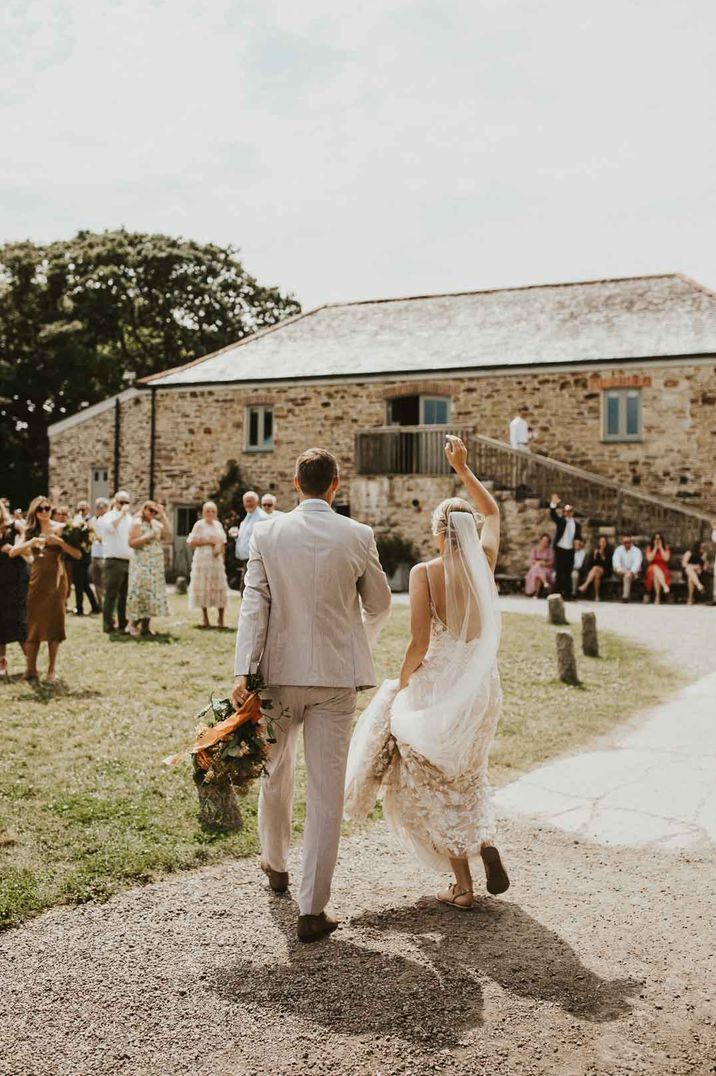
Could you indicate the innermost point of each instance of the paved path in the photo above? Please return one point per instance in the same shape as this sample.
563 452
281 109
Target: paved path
650 782
652 785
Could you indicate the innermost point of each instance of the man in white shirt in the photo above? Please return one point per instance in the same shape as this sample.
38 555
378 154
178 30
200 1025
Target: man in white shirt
520 433
254 515
626 564
114 534
268 504
96 552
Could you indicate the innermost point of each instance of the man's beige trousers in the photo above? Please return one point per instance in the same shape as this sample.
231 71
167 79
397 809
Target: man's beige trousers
326 714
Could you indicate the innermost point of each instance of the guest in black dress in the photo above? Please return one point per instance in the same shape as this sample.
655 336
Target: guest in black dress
599 566
14 576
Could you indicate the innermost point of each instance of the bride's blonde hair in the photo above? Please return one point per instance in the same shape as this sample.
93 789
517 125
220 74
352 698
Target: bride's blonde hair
453 504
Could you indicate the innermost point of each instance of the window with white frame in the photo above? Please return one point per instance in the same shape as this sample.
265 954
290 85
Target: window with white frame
259 428
621 415
418 411
99 483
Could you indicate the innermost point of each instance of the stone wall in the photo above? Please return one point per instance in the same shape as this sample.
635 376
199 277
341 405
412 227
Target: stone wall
199 430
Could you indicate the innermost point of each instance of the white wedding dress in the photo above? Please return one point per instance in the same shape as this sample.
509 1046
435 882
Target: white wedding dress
425 749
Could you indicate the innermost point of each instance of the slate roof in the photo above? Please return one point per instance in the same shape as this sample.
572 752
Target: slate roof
595 321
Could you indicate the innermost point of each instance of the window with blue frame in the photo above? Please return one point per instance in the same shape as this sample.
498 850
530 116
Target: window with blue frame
418 411
621 415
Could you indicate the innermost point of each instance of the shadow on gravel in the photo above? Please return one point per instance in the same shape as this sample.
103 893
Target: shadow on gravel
416 972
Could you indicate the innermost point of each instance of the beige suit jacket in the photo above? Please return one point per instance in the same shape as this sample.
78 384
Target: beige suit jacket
315 598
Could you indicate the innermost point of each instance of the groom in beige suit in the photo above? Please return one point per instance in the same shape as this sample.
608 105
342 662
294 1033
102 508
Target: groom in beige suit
315 597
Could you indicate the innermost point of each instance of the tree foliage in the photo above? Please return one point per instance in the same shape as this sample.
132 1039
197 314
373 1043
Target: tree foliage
80 318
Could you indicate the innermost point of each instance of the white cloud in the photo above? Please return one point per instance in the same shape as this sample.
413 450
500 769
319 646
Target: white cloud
380 149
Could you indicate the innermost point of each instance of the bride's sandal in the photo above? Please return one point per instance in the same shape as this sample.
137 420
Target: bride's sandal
462 899
495 873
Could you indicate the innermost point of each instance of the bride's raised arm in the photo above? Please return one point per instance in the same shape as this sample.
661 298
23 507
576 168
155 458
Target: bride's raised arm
456 454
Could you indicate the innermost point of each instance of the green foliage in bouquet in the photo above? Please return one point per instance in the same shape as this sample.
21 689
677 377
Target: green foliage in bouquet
79 536
241 758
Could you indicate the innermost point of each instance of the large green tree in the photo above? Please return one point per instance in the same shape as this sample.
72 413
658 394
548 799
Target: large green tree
79 319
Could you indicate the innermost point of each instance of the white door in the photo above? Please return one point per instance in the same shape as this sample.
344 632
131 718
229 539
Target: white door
99 484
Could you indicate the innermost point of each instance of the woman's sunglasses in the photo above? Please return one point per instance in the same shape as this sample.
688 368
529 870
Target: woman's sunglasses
43 508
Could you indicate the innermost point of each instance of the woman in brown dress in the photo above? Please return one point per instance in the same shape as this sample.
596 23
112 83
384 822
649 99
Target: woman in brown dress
48 589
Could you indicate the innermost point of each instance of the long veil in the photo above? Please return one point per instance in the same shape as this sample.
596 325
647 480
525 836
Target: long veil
442 726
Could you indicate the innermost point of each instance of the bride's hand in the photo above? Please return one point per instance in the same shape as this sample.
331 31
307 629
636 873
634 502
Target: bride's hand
456 453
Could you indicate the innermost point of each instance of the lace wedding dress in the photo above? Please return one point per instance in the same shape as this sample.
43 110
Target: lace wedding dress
425 749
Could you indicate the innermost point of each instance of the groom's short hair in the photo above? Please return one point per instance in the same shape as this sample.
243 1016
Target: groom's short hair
315 470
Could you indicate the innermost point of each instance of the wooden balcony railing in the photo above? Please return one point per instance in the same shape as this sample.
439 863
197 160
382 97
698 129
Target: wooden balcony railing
391 450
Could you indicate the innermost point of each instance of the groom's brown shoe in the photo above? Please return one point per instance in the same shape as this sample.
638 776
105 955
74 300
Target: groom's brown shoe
312 927
278 880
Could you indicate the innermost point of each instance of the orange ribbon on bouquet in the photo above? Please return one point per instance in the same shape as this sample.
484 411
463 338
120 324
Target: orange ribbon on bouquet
250 710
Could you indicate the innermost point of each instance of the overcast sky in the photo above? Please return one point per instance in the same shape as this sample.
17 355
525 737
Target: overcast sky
375 148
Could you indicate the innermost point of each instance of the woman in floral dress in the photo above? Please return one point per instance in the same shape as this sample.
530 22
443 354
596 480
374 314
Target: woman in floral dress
208 588
147 591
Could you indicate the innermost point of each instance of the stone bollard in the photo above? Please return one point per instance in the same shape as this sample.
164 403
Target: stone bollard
566 661
590 639
555 610
181 584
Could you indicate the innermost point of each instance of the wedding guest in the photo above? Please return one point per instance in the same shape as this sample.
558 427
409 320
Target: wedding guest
231 528
694 564
81 567
60 514
567 530
268 503
658 576
114 533
19 520
13 588
208 588
580 554
599 567
626 564
147 588
539 576
47 592
97 550
520 432
254 515
713 539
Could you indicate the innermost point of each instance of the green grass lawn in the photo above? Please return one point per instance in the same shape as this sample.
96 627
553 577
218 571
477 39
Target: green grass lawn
86 807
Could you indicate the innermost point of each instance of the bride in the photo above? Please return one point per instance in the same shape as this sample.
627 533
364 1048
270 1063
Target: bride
423 741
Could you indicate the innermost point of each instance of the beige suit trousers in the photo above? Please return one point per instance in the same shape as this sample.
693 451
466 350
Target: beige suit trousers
326 714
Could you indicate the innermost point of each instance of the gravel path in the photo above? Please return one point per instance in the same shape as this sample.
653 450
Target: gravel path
598 962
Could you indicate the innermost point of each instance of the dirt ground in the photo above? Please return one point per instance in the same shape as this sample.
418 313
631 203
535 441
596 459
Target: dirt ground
597 961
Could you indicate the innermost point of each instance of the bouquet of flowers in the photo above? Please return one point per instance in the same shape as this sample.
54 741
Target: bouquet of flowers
78 534
228 754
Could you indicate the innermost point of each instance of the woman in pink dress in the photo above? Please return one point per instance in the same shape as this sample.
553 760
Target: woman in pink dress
539 576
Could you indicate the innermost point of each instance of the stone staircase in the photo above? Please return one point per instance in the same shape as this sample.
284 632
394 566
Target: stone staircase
604 506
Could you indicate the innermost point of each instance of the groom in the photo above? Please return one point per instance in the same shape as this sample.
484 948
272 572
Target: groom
301 628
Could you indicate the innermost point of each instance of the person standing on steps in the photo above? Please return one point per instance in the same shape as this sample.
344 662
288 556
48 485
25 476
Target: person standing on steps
568 530
315 598
520 432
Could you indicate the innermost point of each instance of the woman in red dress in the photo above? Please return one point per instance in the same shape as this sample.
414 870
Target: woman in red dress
658 576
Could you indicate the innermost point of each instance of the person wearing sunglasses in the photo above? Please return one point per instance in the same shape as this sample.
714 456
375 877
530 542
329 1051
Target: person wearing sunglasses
147 594
113 531
48 590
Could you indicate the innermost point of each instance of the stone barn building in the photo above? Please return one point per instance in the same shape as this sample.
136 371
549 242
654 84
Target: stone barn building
619 377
